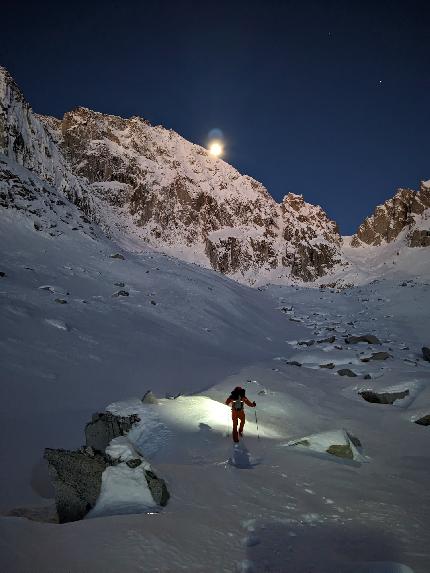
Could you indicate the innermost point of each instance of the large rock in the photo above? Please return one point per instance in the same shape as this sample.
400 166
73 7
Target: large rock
341 451
338 443
104 427
346 372
157 487
383 397
376 356
423 421
380 356
77 478
369 338
426 353
77 475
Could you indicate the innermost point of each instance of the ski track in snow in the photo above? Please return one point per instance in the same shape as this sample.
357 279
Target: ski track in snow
262 507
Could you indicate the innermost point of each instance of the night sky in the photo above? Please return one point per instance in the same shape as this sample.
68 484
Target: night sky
327 99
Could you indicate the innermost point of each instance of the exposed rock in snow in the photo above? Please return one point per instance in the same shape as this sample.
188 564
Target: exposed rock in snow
346 372
377 356
369 338
107 476
104 427
383 397
423 421
337 443
121 293
77 478
426 353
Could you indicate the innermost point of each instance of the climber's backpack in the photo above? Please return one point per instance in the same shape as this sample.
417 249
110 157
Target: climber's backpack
238 405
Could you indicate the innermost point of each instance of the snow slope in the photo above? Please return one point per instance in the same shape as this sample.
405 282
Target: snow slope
262 507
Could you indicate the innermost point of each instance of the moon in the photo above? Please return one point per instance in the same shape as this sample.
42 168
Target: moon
216 148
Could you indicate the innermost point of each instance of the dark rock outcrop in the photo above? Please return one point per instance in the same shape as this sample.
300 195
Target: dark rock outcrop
157 488
426 353
341 451
369 338
376 356
77 475
383 397
149 398
306 342
423 421
77 478
121 293
104 427
346 372
329 340
380 356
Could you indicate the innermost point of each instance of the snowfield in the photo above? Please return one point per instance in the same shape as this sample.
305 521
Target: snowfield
87 326
332 473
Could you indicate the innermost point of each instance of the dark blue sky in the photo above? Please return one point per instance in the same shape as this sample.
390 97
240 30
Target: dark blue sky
328 99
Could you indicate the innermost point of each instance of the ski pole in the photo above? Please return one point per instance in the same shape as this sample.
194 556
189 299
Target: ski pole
256 421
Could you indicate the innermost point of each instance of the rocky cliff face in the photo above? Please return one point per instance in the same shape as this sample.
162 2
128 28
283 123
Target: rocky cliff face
407 212
25 140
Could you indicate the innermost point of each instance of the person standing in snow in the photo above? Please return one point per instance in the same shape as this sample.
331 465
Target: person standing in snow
237 399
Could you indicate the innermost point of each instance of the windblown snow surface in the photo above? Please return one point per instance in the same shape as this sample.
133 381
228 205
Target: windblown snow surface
277 503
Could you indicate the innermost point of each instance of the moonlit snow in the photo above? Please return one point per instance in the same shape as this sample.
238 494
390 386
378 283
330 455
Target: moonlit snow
272 504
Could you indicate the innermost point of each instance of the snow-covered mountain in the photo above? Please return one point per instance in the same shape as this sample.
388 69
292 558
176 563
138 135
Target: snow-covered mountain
150 188
147 185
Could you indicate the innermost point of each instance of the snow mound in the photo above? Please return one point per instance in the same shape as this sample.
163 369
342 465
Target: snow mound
124 490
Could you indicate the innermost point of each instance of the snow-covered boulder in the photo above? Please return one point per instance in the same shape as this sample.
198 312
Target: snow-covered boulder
108 476
104 427
338 443
383 397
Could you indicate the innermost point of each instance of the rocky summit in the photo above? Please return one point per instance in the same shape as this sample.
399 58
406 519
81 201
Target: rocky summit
146 186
